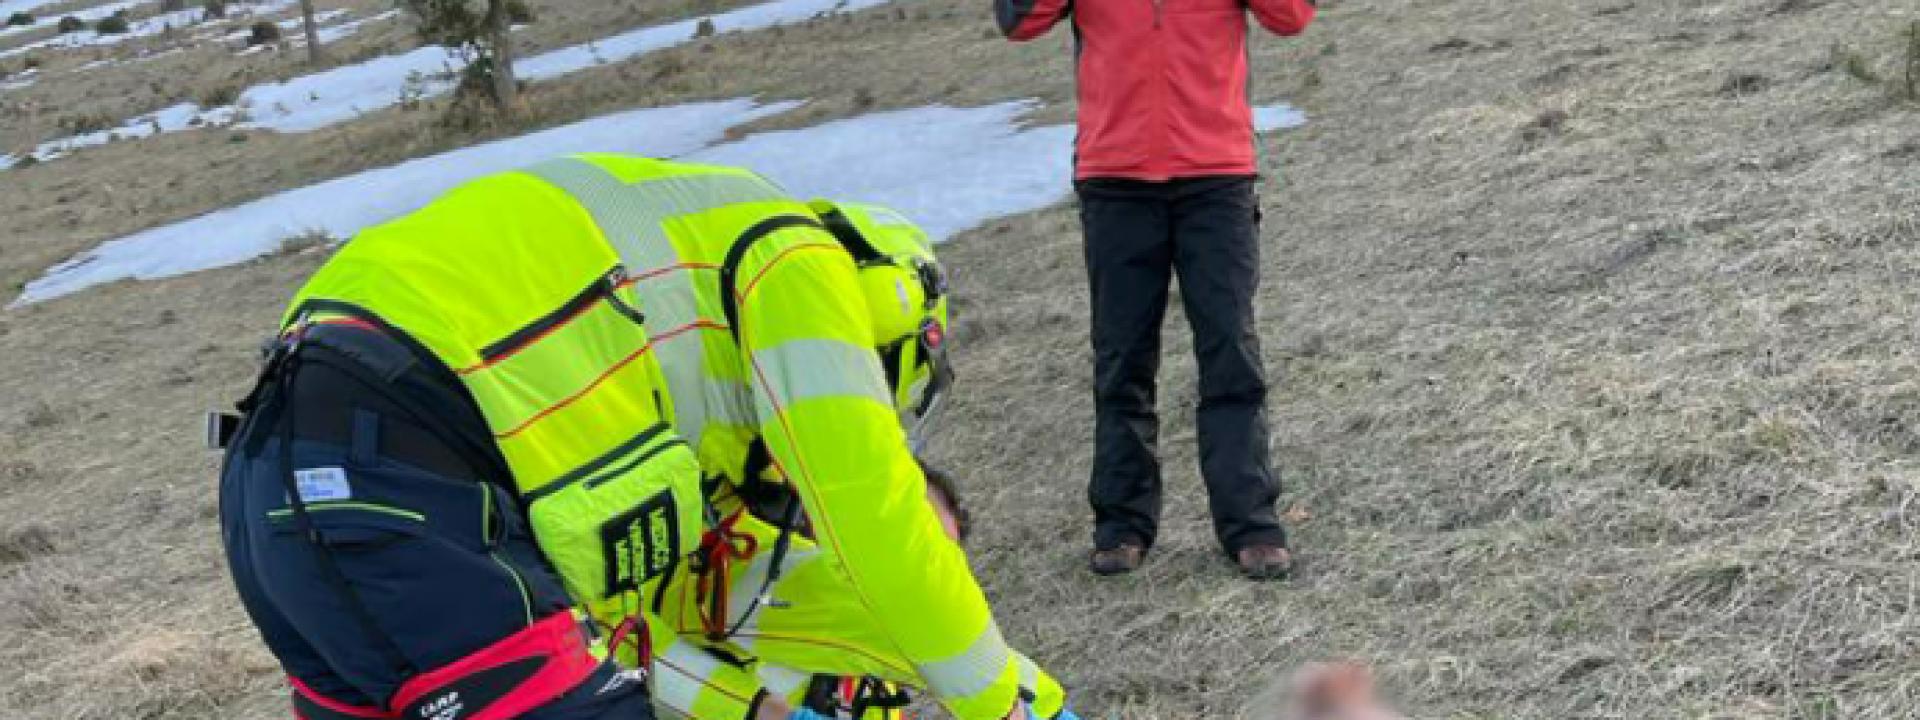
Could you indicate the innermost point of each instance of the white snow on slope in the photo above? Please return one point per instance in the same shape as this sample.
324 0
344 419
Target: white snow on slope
316 101
311 102
949 169
149 27
295 36
17 81
9 7
342 206
89 15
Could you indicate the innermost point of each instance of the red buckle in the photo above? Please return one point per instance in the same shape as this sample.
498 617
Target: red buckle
643 642
719 547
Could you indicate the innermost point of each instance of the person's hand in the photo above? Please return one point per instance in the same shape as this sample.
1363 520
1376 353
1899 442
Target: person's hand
1338 691
774 708
1023 711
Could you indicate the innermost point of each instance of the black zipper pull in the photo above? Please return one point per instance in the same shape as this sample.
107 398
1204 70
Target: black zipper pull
614 279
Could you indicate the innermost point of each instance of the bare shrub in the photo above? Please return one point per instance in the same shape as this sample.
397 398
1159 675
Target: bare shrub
263 32
219 96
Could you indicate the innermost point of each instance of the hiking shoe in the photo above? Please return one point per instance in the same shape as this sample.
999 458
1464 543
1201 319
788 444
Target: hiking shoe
1265 562
1116 561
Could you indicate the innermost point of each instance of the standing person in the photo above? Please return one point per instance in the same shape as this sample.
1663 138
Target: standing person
1165 167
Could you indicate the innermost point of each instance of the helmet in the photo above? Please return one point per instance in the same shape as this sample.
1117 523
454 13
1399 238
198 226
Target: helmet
906 297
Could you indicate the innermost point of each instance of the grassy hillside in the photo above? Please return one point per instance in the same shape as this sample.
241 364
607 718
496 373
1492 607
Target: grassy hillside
1593 328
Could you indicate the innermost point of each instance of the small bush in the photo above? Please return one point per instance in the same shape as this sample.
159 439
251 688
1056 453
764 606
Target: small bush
70 24
264 32
219 96
215 8
1852 62
172 5
114 24
84 123
19 19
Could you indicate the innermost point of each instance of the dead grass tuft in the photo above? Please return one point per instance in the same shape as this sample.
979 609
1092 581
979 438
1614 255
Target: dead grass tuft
1745 83
23 544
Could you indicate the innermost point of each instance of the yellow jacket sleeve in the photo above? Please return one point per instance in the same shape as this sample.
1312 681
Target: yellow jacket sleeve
690 683
827 418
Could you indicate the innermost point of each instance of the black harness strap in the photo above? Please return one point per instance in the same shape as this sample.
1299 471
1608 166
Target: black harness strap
287 368
730 267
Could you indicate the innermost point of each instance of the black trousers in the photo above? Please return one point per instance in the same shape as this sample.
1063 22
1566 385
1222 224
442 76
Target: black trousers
1138 236
434 560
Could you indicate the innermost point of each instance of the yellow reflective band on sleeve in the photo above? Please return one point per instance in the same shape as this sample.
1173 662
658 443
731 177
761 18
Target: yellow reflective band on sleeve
971 672
635 219
804 369
782 681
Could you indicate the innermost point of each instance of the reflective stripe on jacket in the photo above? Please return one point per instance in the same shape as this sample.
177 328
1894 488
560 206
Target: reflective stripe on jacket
580 301
1162 83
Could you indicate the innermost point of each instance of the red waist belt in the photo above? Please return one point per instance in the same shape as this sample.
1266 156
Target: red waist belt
525 670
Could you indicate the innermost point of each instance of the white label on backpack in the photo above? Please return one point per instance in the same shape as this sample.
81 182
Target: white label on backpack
322 484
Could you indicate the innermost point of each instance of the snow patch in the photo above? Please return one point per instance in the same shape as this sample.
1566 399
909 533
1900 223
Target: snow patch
23 79
342 206
950 169
340 94
149 27
9 7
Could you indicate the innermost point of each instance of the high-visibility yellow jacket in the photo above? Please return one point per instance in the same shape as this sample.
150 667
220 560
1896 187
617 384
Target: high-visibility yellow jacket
626 325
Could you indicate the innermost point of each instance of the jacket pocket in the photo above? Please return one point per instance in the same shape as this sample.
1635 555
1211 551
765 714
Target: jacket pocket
436 596
616 527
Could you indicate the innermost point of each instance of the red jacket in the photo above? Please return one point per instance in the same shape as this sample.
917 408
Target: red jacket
1163 83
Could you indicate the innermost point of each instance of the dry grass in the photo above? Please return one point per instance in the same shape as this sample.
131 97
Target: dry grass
1595 372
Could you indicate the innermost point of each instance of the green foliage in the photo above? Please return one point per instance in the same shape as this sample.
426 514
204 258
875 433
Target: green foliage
172 5
70 24
519 12
465 26
19 19
215 8
450 23
114 24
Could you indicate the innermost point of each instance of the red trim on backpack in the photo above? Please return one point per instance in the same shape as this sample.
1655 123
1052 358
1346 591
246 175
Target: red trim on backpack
558 639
